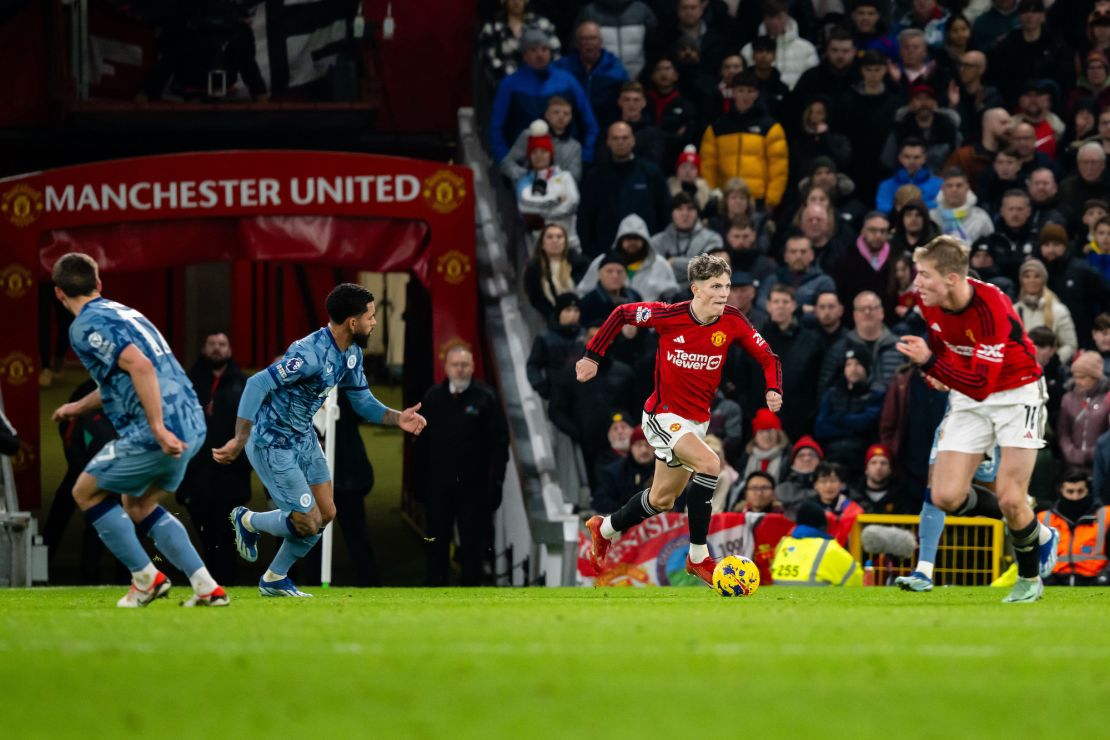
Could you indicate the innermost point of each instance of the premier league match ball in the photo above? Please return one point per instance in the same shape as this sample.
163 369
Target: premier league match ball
736 575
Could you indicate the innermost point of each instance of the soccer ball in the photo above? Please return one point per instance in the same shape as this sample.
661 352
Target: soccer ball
736 575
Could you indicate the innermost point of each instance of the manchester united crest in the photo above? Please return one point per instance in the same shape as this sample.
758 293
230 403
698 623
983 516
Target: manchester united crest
444 191
21 205
15 279
675 427
16 368
718 338
453 266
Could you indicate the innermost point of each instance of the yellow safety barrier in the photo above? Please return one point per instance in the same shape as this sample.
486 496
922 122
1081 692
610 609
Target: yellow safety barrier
970 552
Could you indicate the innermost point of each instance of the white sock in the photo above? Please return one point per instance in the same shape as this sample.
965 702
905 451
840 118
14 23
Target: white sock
607 530
1044 534
698 553
144 578
269 575
246 519
926 569
202 581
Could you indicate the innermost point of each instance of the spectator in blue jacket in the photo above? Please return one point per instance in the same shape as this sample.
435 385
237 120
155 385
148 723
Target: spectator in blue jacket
522 98
599 72
911 157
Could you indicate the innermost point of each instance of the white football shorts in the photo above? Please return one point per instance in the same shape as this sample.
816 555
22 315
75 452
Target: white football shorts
1011 418
664 430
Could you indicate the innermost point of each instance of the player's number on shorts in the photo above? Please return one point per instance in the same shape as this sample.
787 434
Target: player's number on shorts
1032 417
152 336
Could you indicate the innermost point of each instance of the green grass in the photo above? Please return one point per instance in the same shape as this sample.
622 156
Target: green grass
559 663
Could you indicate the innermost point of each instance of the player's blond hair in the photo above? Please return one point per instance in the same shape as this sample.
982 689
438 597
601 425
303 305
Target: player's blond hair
947 254
706 266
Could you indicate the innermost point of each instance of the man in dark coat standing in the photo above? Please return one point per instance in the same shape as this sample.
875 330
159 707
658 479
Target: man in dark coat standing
211 490
460 467
866 265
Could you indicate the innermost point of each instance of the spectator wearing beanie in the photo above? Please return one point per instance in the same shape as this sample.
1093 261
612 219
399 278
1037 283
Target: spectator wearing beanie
522 98
559 116
848 416
1084 412
1037 305
684 238
500 42
610 290
767 449
1079 286
796 485
687 179
546 192
880 491
554 351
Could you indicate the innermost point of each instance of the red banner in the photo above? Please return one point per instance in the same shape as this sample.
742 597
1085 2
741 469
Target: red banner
653 553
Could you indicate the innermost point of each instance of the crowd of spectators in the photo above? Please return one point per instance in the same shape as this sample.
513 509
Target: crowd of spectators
815 145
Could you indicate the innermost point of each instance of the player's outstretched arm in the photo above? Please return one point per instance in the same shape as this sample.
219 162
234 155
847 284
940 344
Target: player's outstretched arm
143 376
80 407
376 412
409 420
254 393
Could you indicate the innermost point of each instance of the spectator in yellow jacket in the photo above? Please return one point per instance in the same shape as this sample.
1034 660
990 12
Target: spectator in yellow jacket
810 556
748 143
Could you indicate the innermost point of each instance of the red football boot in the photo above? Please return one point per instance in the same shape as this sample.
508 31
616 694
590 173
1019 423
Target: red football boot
703 570
599 545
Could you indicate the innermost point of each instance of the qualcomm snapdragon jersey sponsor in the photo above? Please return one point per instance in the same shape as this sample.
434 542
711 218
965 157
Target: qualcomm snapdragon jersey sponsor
982 348
100 333
691 354
311 367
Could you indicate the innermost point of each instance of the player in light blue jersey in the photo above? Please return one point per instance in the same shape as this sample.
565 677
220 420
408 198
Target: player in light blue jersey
275 429
151 403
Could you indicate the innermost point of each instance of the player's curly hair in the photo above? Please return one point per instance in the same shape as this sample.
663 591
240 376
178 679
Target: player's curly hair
947 253
76 274
346 300
706 266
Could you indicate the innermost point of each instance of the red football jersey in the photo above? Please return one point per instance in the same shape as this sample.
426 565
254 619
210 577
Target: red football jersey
691 354
982 349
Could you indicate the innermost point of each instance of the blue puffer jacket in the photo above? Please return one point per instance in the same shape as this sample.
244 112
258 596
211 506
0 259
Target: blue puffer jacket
602 84
522 98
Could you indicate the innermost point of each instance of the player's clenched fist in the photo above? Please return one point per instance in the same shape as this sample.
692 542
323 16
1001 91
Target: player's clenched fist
585 369
774 401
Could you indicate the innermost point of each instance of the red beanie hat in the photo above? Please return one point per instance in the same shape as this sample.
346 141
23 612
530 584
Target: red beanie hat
765 419
539 137
876 450
637 436
804 442
689 154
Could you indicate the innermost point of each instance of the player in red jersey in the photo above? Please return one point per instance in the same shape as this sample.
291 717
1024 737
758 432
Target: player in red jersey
694 337
977 348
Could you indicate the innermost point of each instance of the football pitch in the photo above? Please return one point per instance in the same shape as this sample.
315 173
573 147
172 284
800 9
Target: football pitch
558 663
